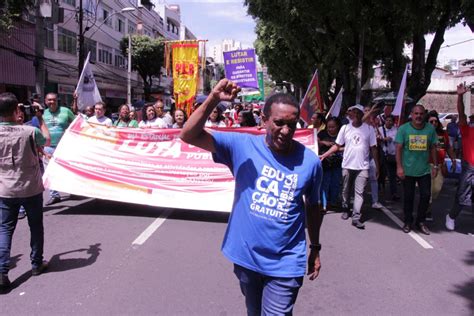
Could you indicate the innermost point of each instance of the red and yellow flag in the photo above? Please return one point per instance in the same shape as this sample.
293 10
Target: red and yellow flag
185 73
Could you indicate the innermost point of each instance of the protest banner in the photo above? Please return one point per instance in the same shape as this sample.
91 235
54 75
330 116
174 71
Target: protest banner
86 89
185 73
144 166
312 101
241 68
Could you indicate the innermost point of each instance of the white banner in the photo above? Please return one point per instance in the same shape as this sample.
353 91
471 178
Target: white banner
87 91
397 110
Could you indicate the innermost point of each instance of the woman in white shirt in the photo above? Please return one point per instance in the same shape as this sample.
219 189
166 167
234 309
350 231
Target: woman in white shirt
150 118
216 119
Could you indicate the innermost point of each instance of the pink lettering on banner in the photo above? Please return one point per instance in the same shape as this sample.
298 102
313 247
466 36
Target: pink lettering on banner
154 167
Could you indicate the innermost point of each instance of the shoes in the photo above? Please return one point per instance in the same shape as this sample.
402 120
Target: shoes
345 215
429 217
449 223
423 229
377 205
357 223
40 269
406 228
395 197
4 281
22 214
53 200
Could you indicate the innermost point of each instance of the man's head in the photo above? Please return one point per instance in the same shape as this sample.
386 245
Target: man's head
51 101
418 115
8 104
280 115
159 108
389 121
99 109
89 111
357 112
388 109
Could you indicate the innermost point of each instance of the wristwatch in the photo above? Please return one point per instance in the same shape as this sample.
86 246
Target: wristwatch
315 247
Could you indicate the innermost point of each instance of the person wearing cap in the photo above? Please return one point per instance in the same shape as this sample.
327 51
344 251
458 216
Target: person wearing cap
415 142
359 141
466 180
229 122
277 182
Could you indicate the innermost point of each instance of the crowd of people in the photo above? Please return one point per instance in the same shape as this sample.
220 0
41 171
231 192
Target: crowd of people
367 146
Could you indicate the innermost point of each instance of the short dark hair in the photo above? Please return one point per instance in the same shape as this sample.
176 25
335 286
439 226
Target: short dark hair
280 98
104 106
8 103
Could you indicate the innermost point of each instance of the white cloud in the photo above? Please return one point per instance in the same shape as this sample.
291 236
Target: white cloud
234 15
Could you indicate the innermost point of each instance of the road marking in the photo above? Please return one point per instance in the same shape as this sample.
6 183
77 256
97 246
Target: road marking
423 243
140 240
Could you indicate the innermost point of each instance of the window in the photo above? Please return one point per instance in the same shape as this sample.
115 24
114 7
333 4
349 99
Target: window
49 35
105 54
67 41
132 27
70 2
119 59
105 16
120 25
90 46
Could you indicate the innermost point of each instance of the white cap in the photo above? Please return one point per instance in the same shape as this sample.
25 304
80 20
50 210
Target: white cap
356 107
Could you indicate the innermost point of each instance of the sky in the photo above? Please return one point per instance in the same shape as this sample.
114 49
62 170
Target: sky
216 20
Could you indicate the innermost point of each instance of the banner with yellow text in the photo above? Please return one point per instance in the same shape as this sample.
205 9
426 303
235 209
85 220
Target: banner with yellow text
144 166
185 73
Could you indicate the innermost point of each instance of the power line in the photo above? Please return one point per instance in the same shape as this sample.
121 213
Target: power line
458 43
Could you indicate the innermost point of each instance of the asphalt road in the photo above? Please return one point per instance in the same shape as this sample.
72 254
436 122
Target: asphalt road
102 264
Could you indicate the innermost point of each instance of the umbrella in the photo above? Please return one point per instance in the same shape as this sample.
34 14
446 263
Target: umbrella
390 98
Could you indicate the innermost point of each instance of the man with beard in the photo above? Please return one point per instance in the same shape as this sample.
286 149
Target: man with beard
416 140
277 183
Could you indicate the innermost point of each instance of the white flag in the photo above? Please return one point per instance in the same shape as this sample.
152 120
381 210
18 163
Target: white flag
336 105
86 89
401 95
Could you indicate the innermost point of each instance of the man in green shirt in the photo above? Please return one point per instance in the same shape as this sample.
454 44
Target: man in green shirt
416 141
57 119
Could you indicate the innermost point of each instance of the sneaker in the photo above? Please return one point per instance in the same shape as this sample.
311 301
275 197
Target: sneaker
38 270
53 200
449 223
357 223
377 205
345 215
22 213
4 281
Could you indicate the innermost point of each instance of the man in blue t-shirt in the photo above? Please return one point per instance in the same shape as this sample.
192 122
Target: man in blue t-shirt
277 183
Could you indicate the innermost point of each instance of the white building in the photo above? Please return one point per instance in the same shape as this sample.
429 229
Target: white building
227 45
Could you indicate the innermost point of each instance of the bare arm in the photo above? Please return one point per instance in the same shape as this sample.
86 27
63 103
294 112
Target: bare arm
398 157
74 107
461 89
193 131
334 148
44 130
313 222
434 158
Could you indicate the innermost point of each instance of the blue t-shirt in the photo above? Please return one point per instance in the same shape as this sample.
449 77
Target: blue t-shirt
266 230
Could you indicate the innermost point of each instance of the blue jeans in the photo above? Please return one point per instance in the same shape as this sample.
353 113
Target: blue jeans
265 295
330 186
9 208
50 151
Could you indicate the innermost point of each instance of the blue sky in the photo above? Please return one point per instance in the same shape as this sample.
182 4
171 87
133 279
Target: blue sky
216 20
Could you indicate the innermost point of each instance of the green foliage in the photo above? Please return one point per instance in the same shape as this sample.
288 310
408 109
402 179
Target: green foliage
147 58
11 10
294 37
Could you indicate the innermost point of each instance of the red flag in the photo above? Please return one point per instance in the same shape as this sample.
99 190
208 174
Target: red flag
312 101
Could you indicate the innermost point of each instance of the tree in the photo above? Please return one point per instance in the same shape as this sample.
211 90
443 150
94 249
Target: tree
147 58
335 35
11 10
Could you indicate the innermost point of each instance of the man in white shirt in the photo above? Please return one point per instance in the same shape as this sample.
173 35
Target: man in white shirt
162 114
387 133
359 140
99 115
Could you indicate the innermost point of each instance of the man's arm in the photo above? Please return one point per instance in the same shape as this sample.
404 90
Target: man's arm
313 222
461 89
193 131
434 158
44 130
74 107
398 157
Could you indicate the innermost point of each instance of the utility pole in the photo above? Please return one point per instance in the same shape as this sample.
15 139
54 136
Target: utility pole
39 50
81 40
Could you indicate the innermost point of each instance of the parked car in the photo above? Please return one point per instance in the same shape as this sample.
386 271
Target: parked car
445 118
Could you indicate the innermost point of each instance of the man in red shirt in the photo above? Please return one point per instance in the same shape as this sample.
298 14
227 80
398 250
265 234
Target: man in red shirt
466 180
